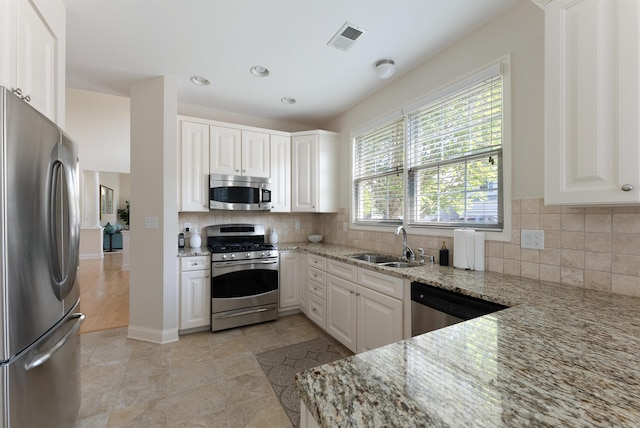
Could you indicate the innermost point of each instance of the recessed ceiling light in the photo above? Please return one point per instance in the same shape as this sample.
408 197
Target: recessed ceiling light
288 100
200 80
259 71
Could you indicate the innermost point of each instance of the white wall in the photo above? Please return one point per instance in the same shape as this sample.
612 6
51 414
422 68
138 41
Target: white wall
518 31
240 119
100 124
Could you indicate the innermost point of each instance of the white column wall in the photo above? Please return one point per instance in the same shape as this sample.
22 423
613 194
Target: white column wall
153 289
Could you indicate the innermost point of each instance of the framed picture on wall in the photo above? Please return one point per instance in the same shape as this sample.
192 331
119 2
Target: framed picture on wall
106 201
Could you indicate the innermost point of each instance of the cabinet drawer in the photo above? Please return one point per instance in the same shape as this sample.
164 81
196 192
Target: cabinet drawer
342 270
317 262
317 310
385 284
317 275
318 289
195 263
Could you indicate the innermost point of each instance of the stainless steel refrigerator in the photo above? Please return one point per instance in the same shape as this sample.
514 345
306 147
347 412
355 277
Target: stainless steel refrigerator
39 297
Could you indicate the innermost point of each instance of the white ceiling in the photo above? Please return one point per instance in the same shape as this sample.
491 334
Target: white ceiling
112 43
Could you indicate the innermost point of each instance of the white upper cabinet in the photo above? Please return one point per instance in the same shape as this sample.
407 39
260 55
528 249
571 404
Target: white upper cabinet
314 176
239 152
194 166
592 93
280 174
225 150
255 154
32 58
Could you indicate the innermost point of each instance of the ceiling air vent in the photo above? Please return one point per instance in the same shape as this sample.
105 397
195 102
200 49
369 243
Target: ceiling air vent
346 37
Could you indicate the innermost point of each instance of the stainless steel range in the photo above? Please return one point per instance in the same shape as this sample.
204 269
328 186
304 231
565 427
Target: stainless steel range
244 276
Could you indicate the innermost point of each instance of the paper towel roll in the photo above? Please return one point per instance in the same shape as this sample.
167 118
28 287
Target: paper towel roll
478 254
463 248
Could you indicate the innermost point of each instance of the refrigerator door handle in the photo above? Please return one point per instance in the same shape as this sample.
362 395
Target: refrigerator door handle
64 230
43 358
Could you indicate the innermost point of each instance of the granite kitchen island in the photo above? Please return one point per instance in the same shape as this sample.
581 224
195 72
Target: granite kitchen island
559 356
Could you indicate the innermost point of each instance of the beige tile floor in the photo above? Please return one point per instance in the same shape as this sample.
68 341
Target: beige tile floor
204 380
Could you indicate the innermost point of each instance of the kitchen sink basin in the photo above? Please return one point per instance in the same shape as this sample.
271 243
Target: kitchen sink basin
374 258
397 264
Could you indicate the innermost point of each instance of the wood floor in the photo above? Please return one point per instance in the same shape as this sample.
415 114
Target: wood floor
104 293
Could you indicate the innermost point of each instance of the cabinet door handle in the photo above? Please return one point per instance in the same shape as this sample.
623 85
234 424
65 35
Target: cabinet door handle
357 294
626 187
351 291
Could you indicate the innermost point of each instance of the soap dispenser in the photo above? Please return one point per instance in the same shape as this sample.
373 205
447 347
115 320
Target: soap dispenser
444 255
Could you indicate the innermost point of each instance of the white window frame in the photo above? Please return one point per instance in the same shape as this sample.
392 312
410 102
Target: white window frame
504 64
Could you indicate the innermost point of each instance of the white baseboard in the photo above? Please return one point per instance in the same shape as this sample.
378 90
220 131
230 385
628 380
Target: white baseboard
151 335
91 256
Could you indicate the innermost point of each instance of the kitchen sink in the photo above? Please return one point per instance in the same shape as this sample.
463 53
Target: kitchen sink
397 264
374 258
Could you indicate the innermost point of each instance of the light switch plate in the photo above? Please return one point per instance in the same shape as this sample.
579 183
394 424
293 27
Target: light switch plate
297 225
344 226
151 222
532 239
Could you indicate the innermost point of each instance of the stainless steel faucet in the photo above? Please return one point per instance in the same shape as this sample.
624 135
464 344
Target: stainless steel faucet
407 253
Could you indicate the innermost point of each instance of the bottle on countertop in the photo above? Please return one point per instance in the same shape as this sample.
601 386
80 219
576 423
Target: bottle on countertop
195 241
273 237
181 240
444 255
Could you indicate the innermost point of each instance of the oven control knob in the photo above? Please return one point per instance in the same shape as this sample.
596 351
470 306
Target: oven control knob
261 253
224 256
248 255
233 256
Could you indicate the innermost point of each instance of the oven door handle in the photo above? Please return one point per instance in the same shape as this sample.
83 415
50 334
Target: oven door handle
247 262
254 311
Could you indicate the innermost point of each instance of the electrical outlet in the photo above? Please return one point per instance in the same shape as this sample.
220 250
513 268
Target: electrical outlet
187 226
297 225
533 239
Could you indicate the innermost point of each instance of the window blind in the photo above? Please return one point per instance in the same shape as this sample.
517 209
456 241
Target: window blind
378 158
455 158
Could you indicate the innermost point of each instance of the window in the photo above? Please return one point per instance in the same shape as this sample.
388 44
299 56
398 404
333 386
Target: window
439 163
378 174
455 158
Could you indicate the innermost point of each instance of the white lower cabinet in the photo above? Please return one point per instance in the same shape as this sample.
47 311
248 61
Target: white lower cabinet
360 308
341 304
358 316
306 418
195 293
302 284
289 277
379 319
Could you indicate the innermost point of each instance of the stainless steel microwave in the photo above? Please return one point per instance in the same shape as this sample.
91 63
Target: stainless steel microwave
232 192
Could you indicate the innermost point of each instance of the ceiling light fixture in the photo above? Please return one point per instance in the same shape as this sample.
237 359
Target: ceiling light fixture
259 71
200 80
385 68
288 100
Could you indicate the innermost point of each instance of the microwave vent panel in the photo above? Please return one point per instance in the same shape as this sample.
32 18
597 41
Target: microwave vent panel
346 37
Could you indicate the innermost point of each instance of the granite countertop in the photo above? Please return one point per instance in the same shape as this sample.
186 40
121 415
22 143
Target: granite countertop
190 252
559 356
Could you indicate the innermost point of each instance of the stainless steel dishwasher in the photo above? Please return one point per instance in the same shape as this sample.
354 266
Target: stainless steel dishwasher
433 308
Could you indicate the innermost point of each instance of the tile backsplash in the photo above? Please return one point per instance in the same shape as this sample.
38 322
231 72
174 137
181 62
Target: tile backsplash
594 247
285 224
